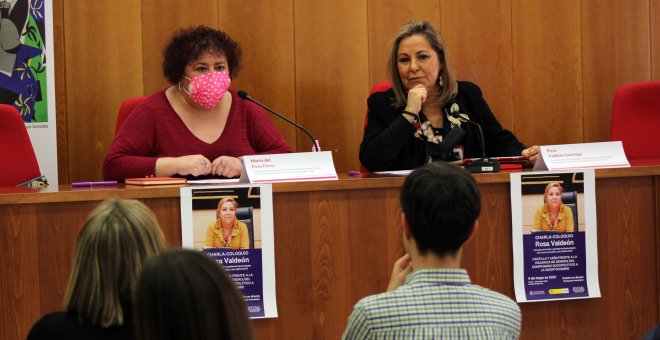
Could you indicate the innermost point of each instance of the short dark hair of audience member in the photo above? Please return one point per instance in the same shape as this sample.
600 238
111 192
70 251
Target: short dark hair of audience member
425 29
441 202
184 294
111 249
188 44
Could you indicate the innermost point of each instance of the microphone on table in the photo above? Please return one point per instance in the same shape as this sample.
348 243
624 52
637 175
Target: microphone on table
483 164
243 95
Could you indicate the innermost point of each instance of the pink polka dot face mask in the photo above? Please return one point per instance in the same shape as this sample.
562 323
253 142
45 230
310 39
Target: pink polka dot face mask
207 89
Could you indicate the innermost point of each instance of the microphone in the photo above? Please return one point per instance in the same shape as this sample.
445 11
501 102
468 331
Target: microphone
243 95
444 151
483 164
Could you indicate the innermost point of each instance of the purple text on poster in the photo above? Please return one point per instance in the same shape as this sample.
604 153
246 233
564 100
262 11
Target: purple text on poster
555 265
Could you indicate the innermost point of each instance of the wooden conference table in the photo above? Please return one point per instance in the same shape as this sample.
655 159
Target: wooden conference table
335 243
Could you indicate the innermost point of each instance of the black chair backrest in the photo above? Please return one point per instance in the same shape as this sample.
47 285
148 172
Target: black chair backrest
570 200
244 214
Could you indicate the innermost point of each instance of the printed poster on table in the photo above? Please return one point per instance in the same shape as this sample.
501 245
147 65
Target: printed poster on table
555 253
234 226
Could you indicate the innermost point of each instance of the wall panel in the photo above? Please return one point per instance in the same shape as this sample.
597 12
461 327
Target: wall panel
616 40
478 38
19 274
103 66
268 66
385 18
547 71
332 72
549 83
159 20
60 92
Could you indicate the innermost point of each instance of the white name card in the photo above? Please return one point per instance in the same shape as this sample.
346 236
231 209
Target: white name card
288 167
582 156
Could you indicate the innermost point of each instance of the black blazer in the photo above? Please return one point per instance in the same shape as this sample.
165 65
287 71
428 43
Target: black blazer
389 143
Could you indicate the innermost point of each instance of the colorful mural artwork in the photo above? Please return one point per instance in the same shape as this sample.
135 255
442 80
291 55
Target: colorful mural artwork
23 58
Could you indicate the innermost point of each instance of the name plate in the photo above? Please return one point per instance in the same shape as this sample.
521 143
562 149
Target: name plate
582 156
288 167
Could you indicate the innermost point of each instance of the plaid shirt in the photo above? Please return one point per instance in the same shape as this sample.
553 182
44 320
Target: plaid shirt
435 304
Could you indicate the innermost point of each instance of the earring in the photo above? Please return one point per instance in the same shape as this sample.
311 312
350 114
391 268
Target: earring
441 82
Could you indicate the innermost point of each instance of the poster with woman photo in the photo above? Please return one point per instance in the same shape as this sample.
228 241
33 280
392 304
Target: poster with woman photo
555 253
234 226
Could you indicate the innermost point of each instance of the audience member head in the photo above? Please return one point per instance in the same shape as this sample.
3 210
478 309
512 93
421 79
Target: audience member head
189 44
441 203
111 248
184 294
428 31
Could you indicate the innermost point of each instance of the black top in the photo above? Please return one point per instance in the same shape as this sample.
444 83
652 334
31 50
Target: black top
63 325
389 142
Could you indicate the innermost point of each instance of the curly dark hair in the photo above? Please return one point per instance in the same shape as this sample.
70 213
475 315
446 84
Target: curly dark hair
187 44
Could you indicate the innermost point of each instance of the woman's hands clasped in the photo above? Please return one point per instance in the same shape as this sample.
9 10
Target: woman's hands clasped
198 165
227 166
193 165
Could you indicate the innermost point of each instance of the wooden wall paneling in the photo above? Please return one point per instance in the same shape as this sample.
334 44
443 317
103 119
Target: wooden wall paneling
485 255
621 275
655 39
332 71
60 92
547 71
368 209
615 39
331 262
19 274
61 222
478 38
393 226
169 220
103 48
295 257
160 18
265 31
385 18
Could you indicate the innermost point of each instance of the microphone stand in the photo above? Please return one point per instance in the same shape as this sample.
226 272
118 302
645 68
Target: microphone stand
244 95
483 164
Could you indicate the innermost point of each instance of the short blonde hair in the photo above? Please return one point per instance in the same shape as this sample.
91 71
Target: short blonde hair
428 31
111 248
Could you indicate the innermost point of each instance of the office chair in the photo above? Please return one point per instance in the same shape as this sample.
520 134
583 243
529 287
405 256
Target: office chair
636 119
244 214
125 109
379 87
569 199
19 163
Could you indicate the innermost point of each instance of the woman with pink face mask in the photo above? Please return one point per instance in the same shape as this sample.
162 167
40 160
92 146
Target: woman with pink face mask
197 127
227 231
553 215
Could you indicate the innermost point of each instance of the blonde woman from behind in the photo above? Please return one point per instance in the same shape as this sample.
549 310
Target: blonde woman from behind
111 248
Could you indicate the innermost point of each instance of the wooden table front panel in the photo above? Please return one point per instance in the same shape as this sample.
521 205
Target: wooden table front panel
336 244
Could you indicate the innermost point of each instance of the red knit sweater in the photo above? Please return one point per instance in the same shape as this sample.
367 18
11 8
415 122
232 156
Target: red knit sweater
154 130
